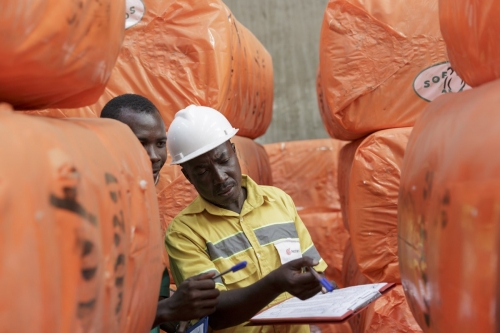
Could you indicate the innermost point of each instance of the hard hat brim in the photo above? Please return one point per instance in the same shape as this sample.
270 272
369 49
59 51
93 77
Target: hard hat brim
205 149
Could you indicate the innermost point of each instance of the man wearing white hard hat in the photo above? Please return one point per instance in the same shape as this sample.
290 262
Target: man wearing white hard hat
232 220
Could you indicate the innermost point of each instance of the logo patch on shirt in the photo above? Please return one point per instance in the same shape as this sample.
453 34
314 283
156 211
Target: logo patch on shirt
288 249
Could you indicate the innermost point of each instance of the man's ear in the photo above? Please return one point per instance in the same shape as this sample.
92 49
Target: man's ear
184 172
233 146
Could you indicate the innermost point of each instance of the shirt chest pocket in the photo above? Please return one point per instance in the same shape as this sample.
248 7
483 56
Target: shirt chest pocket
239 279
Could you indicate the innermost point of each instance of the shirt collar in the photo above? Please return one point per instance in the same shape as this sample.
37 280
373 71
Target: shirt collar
255 198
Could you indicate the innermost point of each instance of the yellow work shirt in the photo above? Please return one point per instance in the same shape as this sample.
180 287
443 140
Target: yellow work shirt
204 238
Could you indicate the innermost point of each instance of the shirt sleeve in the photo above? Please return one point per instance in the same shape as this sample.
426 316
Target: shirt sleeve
306 244
188 254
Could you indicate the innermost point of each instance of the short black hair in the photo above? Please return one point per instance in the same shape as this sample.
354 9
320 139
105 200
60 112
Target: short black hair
132 102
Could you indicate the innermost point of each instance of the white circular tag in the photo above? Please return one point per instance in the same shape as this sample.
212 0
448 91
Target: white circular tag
436 80
134 12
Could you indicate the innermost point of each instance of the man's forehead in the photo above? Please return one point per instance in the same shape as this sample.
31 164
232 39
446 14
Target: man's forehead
143 122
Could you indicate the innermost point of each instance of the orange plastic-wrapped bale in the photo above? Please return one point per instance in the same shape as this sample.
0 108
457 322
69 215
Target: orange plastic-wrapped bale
307 171
178 53
381 61
58 53
449 212
371 174
80 243
470 29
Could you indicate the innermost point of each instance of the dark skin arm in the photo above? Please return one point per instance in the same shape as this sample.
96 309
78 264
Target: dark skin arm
195 297
239 305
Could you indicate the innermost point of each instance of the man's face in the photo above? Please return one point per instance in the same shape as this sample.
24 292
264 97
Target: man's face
151 132
216 175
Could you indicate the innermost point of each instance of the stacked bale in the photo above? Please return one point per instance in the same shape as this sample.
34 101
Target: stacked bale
448 213
448 216
307 171
470 31
194 52
370 172
80 243
87 35
381 62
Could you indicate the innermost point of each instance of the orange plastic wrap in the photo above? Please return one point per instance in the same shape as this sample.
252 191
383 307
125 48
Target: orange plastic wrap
351 275
346 157
381 61
194 52
470 29
388 314
58 53
307 171
391 314
449 212
63 113
175 192
80 243
371 176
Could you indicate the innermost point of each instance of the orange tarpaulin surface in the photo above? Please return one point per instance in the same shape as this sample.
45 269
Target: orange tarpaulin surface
307 171
388 314
178 53
80 243
470 29
449 212
370 169
381 61
58 53
175 192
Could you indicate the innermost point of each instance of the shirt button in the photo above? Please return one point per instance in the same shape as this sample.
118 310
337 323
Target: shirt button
258 255
241 219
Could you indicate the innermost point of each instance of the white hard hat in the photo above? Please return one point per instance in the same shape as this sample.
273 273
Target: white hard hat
196 130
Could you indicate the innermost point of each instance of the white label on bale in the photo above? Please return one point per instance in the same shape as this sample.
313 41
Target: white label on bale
134 12
436 80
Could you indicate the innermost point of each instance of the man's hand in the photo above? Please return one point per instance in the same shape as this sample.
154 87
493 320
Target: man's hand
290 278
195 297
238 305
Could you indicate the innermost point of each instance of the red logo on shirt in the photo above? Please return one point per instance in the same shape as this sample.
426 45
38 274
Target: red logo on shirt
288 251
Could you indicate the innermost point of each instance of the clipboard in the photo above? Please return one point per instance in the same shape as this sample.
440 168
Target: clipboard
335 307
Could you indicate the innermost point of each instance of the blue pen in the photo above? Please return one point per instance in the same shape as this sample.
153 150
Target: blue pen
235 268
324 282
